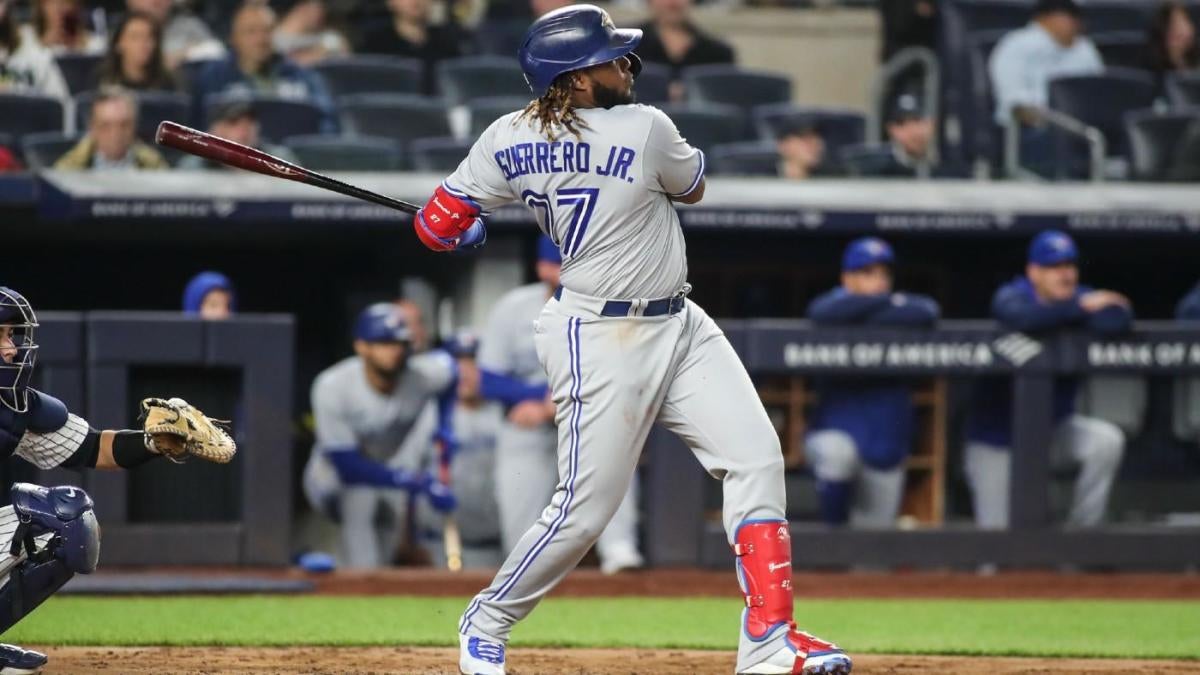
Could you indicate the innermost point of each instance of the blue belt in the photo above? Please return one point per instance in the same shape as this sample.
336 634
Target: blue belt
660 307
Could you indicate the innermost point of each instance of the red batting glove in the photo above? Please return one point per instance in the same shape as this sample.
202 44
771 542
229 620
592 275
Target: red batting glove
441 223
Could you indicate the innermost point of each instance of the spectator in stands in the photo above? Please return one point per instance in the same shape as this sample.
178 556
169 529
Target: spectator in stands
472 469
26 66
1189 307
111 141
210 295
236 120
253 67
909 152
134 59
908 23
862 427
60 26
1171 41
1025 61
409 33
1047 298
802 151
304 36
672 39
184 36
370 441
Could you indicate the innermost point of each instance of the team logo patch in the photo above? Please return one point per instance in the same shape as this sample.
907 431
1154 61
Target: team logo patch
606 21
492 652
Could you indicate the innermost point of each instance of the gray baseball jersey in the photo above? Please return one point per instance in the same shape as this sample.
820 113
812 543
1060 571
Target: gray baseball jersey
350 414
471 470
600 197
507 344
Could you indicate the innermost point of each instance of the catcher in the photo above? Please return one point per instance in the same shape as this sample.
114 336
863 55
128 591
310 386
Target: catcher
49 534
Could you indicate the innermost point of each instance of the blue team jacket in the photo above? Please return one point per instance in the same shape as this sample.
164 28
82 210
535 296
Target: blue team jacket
1017 307
877 413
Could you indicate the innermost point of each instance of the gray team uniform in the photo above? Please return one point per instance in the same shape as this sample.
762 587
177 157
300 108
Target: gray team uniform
604 199
526 468
472 473
350 414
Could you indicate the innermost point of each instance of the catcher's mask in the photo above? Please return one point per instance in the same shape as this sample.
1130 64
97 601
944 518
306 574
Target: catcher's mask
18 316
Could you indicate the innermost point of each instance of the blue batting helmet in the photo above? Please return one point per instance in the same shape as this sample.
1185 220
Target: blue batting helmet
463 344
382 322
17 317
571 38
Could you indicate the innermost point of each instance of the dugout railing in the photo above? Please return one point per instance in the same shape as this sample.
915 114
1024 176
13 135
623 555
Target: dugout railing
678 530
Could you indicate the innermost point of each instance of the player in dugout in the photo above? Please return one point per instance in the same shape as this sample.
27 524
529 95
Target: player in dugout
1048 297
863 427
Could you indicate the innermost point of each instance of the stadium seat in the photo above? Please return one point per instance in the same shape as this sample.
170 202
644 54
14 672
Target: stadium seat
22 114
1183 89
736 86
866 159
706 126
484 111
976 109
322 152
1107 16
153 107
189 71
1122 49
42 150
653 84
1100 101
1153 139
501 37
278 118
400 117
839 127
439 155
470 77
81 71
370 74
743 159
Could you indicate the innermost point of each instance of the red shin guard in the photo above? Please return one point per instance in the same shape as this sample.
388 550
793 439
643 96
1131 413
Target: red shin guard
764 553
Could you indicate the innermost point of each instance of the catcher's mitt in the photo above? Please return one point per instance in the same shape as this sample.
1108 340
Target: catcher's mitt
197 434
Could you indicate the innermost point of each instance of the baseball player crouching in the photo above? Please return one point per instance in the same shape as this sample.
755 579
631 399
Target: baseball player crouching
50 533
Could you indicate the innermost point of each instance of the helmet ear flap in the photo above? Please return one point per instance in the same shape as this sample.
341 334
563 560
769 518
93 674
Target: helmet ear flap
635 64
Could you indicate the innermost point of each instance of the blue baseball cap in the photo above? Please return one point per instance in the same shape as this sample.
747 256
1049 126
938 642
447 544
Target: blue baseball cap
865 252
1052 247
463 343
382 322
548 251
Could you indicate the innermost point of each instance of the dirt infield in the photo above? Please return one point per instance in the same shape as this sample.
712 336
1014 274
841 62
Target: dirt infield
138 661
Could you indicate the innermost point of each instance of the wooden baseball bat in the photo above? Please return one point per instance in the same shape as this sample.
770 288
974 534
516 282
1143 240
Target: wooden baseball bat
225 151
451 538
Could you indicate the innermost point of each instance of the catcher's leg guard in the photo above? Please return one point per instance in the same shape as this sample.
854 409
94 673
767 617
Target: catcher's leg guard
65 513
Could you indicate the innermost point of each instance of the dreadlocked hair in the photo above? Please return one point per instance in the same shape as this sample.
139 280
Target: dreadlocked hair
555 109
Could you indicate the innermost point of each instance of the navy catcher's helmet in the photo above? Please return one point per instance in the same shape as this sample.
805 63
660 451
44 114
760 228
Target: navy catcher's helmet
382 322
17 316
571 38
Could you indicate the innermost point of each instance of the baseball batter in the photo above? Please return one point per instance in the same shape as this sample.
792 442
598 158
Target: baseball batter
621 344
526 469
50 534
366 460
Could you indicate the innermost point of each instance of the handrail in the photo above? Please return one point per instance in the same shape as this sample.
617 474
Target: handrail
1097 145
888 72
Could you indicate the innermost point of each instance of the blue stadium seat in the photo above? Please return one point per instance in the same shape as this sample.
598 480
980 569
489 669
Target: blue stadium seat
370 74
22 114
653 84
736 86
1121 15
1153 139
153 107
321 152
400 117
470 77
81 71
1122 48
278 118
42 150
839 127
1183 89
867 159
707 126
1101 101
501 37
484 111
438 155
753 158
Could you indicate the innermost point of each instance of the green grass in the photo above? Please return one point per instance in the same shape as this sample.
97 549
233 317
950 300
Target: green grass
1146 629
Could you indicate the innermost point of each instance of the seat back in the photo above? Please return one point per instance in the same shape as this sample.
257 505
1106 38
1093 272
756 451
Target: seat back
438 155
868 159
1183 89
370 74
484 111
653 84
278 118
839 127
42 150
1153 139
1100 101
345 153
743 159
732 85
400 117
704 127
22 114
81 71
464 79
